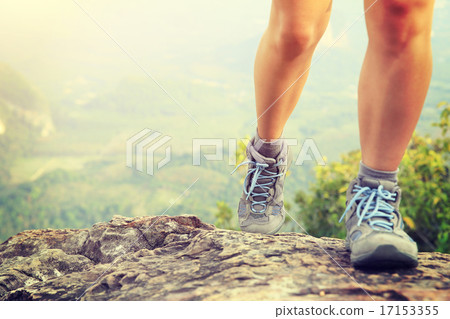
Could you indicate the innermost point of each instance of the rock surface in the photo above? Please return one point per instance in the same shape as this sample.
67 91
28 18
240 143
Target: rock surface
182 258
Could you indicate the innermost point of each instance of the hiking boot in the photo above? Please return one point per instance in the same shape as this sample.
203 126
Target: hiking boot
261 208
374 224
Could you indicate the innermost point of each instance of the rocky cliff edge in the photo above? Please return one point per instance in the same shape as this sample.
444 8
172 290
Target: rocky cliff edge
183 258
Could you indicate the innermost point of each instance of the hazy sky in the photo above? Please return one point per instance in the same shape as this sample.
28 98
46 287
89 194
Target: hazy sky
51 41
47 33
57 35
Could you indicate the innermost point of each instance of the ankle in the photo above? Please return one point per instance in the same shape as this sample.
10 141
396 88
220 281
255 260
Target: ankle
366 171
268 147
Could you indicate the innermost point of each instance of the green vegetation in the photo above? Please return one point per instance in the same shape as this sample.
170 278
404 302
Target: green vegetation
65 198
23 116
225 216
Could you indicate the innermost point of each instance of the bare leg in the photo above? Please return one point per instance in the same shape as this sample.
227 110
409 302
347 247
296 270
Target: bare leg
284 53
394 79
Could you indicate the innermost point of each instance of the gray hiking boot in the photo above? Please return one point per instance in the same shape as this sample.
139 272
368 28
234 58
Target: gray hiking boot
261 208
374 224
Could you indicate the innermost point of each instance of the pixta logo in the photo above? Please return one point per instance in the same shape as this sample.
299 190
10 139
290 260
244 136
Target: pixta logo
143 145
142 148
308 151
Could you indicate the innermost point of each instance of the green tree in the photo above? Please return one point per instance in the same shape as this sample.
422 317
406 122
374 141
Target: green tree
225 217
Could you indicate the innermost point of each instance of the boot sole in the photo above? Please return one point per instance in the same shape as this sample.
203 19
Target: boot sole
276 229
385 256
272 232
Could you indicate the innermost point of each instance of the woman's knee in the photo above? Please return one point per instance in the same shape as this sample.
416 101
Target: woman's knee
399 23
295 39
296 27
292 42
